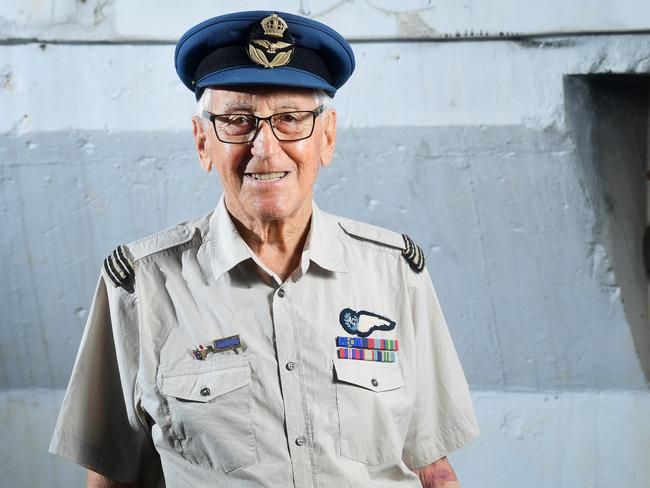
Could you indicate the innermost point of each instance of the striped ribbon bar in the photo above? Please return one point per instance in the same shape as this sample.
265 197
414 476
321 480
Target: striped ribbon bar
367 355
367 343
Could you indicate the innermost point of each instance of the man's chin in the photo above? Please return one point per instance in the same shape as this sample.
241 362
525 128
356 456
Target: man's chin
278 210
270 214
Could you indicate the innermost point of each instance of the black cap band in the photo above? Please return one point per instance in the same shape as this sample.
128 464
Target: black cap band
234 56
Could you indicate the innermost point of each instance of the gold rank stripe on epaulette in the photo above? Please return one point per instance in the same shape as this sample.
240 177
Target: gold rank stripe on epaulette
118 268
413 254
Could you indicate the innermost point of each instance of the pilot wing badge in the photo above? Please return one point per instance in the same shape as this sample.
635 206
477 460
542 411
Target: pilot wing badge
363 323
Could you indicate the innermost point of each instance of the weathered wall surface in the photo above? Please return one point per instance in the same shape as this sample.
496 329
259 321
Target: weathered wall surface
453 130
163 20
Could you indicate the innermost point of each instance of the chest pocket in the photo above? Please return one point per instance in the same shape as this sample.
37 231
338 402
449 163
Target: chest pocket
209 411
372 410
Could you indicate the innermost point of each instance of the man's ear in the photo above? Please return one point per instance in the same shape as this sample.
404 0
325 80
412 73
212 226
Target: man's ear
200 141
327 150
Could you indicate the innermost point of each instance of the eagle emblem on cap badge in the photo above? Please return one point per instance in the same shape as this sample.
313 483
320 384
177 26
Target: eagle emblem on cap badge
270 44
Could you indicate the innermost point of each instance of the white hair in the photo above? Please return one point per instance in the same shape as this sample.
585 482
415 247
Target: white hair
322 98
203 105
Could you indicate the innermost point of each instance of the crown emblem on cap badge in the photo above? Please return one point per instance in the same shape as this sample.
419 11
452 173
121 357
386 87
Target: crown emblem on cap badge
274 26
264 50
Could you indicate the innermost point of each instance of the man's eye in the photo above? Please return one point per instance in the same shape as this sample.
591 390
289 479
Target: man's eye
238 120
288 118
235 119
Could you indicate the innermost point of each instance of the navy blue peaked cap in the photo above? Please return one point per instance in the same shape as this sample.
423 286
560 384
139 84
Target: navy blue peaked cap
263 48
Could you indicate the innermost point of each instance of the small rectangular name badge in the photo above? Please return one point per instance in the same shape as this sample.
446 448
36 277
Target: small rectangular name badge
226 343
230 343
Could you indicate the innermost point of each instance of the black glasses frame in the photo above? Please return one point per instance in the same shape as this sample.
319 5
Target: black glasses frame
315 113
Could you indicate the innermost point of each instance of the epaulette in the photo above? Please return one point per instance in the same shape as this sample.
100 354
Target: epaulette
410 250
413 254
119 265
118 268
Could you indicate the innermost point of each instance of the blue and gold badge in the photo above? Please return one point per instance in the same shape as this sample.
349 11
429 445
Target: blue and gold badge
230 343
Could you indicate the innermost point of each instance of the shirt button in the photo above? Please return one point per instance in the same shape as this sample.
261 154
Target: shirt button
281 292
374 382
205 391
290 365
300 440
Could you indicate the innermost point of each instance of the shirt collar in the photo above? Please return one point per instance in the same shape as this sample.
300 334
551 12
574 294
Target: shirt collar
228 249
323 246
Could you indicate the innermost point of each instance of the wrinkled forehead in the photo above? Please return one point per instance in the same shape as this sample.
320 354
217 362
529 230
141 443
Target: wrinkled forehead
257 98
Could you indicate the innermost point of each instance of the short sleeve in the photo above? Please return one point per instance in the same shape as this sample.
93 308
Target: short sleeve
443 418
99 425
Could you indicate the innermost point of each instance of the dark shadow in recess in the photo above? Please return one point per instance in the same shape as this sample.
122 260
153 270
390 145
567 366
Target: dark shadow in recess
608 119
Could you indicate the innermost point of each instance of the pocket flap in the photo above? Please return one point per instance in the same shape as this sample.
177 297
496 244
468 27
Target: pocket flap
369 375
203 386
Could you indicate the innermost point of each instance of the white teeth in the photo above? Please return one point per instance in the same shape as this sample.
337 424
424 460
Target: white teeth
268 176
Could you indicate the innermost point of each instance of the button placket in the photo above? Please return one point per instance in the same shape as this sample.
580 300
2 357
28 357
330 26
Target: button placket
291 386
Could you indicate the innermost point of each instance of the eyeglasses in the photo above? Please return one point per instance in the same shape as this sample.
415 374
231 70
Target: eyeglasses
243 128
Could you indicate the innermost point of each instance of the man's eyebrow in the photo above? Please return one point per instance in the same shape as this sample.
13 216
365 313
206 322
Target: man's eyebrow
288 108
235 106
290 105
242 106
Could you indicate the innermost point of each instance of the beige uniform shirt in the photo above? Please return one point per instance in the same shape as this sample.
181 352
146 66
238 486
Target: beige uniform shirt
283 410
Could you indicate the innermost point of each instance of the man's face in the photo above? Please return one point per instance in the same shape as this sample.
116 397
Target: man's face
242 167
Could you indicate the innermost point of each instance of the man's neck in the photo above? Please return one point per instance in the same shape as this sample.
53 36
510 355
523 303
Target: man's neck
277 243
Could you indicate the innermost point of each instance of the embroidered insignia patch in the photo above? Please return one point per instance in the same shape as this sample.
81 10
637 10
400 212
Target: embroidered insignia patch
367 355
363 323
270 45
230 343
362 343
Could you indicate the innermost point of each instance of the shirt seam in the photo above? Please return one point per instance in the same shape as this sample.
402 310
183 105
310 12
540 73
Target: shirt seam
387 249
137 386
171 250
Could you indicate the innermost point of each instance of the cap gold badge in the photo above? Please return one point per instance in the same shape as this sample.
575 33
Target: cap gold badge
274 25
265 49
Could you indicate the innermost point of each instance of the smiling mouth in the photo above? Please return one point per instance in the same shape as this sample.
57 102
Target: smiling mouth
267 176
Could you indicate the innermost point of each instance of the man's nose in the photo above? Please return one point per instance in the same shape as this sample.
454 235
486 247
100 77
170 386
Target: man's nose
265 143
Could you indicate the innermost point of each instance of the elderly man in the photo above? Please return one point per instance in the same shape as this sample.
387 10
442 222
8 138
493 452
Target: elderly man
267 343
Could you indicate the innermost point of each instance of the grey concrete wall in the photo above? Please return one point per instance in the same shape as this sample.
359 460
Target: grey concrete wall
479 148
122 20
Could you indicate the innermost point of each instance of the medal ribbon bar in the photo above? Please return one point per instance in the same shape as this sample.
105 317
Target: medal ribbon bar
367 355
367 343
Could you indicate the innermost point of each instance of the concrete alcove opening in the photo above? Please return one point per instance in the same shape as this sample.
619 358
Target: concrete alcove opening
608 118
